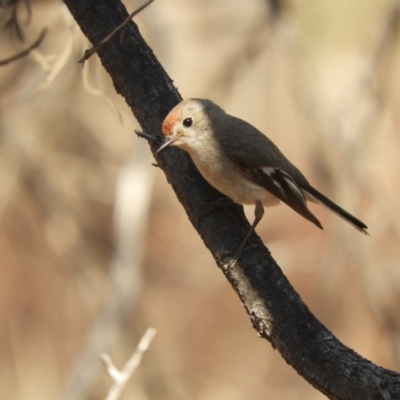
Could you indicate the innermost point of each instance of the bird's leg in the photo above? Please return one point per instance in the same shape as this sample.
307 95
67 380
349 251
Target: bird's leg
258 214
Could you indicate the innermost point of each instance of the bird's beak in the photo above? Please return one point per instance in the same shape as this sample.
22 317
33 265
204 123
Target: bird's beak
169 142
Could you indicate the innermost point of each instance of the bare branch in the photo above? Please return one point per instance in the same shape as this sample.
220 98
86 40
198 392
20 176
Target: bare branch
121 378
94 49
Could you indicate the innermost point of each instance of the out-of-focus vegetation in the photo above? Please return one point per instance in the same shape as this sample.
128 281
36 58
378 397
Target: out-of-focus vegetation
94 246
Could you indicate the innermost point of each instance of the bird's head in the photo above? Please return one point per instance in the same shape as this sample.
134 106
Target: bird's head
189 124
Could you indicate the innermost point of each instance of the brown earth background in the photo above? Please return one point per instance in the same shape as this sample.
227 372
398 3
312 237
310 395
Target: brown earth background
95 248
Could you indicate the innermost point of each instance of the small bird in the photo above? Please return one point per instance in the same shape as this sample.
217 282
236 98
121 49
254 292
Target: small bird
242 163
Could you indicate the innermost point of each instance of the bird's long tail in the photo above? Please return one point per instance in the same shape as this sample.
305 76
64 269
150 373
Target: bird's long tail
313 195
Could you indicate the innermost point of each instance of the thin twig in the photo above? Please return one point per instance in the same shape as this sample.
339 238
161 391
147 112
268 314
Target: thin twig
148 136
94 49
120 378
58 65
13 21
26 51
29 11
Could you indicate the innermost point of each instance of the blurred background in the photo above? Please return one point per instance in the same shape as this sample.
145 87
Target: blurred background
94 246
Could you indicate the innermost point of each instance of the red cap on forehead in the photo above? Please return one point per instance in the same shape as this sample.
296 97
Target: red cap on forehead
169 122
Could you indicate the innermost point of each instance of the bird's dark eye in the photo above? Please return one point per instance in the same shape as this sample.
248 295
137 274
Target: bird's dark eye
187 122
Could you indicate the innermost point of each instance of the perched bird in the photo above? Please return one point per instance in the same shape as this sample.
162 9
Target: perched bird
241 162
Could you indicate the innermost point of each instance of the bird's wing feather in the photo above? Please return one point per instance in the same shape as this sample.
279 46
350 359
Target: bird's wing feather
255 156
282 186
318 197
253 149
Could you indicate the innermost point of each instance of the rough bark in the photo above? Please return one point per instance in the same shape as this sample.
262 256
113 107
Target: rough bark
275 309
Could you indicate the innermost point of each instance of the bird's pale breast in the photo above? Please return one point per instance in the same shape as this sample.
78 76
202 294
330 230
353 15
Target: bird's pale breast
221 174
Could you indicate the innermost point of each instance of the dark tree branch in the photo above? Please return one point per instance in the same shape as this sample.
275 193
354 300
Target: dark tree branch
275 309
118 29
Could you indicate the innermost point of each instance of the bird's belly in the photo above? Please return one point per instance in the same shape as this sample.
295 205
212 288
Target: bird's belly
236 186
244 191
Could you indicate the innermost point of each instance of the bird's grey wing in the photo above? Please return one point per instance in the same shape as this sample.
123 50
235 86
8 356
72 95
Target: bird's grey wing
282 186
256 157
252 148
